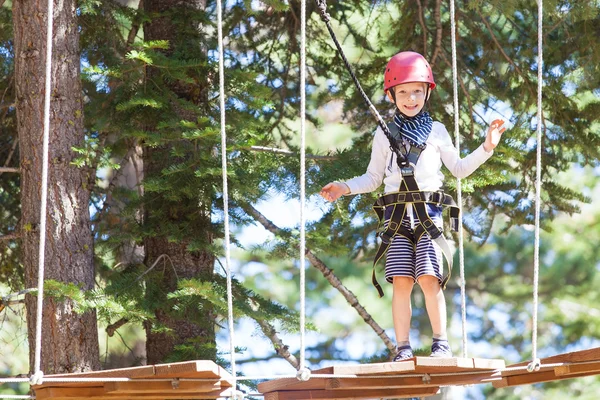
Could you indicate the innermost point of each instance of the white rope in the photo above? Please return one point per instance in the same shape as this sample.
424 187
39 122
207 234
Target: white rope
302 371
535 364
44 195
225 193
461 252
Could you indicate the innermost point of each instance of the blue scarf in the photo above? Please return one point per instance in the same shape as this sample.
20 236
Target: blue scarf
414 129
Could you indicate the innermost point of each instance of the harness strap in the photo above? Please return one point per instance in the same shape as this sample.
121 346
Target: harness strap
393 228
409 193
440 198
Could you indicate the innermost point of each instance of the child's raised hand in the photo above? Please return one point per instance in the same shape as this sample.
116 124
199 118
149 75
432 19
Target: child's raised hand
494 134
333 190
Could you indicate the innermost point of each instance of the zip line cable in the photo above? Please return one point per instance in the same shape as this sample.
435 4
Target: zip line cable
461 252
322 7
535 361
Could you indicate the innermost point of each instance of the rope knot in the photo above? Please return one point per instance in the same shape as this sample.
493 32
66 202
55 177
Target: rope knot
36 379
322 6
534 365
303 375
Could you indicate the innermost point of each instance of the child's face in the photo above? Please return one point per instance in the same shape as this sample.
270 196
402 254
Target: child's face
410 97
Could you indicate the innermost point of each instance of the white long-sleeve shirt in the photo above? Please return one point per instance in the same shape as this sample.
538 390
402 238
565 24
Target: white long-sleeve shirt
383 166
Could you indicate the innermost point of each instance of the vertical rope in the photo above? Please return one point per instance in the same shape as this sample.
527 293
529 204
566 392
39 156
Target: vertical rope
301 367
538 178
226 195
44 195
461 252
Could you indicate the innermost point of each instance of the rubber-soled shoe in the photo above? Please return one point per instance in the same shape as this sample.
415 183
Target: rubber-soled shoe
404 353
441 348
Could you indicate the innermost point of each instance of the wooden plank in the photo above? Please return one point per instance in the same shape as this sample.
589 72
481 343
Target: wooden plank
291 384
528 378
572 357
131 372
352 394
487 363
397 367
430 365
190 369
571 369
200 369
97 393
408 382
197 369
161 387
59 393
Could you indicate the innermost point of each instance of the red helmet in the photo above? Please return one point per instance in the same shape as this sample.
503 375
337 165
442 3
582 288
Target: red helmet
405 67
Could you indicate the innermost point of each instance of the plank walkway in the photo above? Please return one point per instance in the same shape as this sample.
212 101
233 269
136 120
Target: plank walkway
182 380
416 377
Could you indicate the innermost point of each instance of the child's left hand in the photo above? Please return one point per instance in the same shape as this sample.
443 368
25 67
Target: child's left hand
494 134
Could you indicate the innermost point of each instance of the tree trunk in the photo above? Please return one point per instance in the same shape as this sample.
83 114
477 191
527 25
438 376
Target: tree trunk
181 263
69 340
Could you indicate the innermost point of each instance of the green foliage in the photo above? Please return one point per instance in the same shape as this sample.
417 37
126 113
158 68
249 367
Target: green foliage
159 100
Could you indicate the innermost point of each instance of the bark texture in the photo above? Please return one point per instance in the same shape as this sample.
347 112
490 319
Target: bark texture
69 340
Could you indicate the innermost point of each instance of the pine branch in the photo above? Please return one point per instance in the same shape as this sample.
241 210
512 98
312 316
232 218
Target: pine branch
10 236
423 27
465 92
510 60
8 169
6 302
289 153
135 27
438 31
330 276
280 348
111 329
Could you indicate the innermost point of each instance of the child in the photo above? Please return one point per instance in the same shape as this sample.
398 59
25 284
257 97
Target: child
408 82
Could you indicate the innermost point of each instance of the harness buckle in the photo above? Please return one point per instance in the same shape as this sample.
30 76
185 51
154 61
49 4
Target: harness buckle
416 196
401 198
440 201
407 171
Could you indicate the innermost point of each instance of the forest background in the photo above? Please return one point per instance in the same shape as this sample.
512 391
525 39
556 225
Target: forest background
135 205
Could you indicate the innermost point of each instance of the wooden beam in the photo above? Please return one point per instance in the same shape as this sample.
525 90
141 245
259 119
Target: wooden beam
529 378
408 382
568 358
173 387
572 369
352 394
58 393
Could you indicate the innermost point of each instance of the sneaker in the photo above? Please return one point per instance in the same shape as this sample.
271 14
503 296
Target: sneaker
440 348
404 353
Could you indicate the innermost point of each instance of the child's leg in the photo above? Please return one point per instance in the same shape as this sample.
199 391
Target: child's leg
429 272
401 308
435 304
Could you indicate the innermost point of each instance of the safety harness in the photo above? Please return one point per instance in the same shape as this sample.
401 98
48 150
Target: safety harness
409 193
